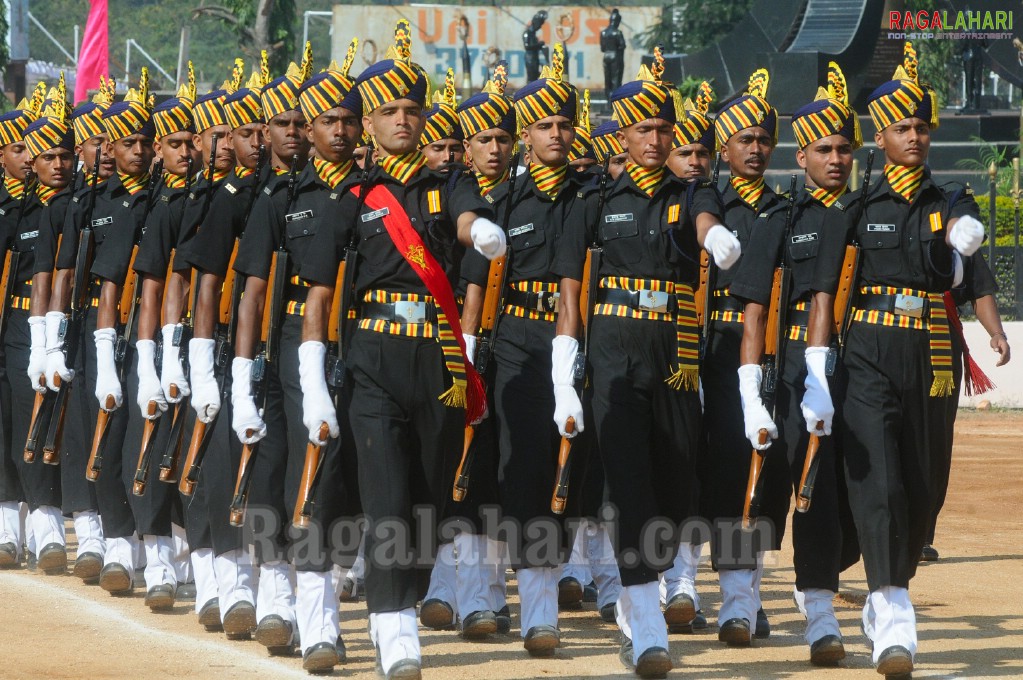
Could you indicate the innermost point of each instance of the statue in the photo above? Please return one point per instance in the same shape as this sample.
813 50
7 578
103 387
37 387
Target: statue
612 44
973 64
533 45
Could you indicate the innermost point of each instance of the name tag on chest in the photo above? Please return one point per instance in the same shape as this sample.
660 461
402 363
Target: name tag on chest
29 234
804 238
369 217
524 229
295 217
102 221
620 217
883 228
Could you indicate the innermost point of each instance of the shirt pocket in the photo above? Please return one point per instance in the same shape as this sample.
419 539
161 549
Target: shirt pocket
620 234
527 242
881 243
803 247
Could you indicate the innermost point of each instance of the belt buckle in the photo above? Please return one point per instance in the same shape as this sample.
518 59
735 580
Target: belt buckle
909 305
654 301
410 312
547 302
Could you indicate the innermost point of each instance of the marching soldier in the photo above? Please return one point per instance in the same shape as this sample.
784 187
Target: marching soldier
78 494
607 147
407 413
442 140
643 347
897 352
746 134
581 157
16 161
275 473
827 132
210 252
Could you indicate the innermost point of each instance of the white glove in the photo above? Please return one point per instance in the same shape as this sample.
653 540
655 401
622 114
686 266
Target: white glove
172 373
37 353
566 399
958 271
488 238
107 384
205 392
754 414
470 348
317 406
149 382
966 235
55 351
722 246
817 406
246 417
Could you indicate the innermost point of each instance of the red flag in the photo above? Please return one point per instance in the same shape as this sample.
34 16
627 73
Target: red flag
92 59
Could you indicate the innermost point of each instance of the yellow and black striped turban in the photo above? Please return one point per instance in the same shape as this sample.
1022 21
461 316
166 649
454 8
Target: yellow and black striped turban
442 118
87 118
582 144
331 88
175 114
395 77
828 114
53 128
548 96
903 97
244 107
646 97
605 141
749 110
490 108
694 126
14 123
209 110
132 115
280 95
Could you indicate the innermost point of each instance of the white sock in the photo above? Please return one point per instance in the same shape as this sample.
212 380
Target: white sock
443 577
159 561
10 524
737 598
538 594
680 577
122 551
47 526
623 613
316 608
236 579
820 614
495 565
645 619
758 575
894 621
25 527
89 531
397 636
182 563
578 566
472 587
276 591
603 565
205 576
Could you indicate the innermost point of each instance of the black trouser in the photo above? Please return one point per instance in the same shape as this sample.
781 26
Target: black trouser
817 536
889 446
40 483
10 482
336 492
78 493
647 434
724 464
946 413
408 444
527 437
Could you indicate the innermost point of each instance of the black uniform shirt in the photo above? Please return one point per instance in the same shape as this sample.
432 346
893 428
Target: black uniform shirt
210 249
902 244
978 280
21 229
642 237
77 210
196 206
314 208
744 222
381 266
51 222
117 220
161 233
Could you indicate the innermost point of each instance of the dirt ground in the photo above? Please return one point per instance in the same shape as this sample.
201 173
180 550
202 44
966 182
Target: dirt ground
969 609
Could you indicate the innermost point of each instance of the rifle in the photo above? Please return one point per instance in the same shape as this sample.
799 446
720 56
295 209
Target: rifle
841 320
591 282
71 328
493 306
202 433
267 358
337 336
127 310
773 355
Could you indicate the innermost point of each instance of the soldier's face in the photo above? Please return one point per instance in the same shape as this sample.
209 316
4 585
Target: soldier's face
97 146
905 142
15 160
286 132
204 145
748 152
442 151
648 142
396 126
360 156
827 162
334 134
691 161
617 164
245 142
175 150
549 140
53 167
582 164
489 152
133 155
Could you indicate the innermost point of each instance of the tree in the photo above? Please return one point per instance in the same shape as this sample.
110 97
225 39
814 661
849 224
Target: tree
260 25
690 25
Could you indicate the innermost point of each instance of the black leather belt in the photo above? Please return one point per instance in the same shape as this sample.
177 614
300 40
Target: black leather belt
538 302
642 300
399 312
798 317
902 305
293 293
726 303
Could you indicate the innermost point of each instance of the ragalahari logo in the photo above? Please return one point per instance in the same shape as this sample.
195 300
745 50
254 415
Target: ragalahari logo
950 25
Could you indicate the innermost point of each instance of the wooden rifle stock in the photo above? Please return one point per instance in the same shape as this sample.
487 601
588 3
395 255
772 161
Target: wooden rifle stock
190 476
95 464
149 430
560 495
461 485
240 499
701 293
32 442
845 293
310 468
756 466
810 465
